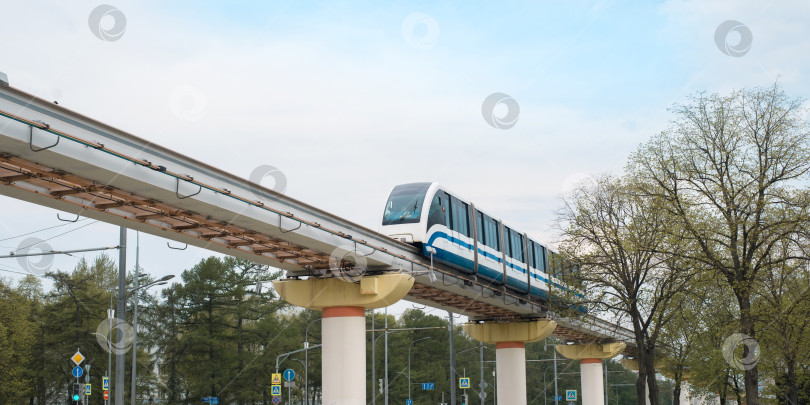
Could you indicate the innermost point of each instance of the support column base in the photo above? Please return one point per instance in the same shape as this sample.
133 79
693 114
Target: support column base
590 358
510 340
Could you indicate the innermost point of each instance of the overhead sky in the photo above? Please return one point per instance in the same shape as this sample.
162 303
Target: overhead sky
348 99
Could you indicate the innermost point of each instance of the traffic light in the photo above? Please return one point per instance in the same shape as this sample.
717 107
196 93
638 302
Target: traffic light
464 399
382 390
77 391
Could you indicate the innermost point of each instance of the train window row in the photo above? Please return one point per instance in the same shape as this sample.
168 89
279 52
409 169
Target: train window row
451 212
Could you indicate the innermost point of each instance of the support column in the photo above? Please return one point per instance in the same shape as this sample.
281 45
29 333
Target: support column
590 356
343 358
343 331
510 353
510 370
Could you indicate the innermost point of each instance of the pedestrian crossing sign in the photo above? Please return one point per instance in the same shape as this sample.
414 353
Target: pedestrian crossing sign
275 390
464 382
571 395
276 380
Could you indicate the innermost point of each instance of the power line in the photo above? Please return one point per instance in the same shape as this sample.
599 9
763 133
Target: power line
40 230
56 236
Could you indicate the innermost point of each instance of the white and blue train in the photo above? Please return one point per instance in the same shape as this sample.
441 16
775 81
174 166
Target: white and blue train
462 236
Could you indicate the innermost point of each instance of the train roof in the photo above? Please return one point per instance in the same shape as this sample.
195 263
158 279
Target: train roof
433 186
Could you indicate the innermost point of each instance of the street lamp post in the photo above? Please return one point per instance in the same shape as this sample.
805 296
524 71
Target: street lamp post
409 363
386 355
373 361
122 313
450 328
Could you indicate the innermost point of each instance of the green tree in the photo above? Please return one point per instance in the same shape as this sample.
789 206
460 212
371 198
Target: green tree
785 325
16 342
726 172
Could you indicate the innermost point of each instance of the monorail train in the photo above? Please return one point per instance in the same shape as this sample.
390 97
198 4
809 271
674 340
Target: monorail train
470 240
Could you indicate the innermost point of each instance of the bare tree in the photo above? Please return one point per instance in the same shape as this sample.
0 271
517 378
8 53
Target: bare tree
615 237
726 173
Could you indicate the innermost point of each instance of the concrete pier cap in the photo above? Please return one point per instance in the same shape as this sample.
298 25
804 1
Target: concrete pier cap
370 292
503 332
591 350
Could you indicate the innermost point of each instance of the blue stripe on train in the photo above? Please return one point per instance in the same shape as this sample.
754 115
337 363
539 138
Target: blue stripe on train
486 272
483 271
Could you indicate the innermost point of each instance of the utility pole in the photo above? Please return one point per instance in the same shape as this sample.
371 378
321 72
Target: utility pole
386 356
132 389
452 363
373 362
122 313
555 377
483 384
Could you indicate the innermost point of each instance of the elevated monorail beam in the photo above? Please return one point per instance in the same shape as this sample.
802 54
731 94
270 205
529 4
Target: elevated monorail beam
57 158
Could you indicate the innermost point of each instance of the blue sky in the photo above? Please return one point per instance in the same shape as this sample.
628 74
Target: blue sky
348 103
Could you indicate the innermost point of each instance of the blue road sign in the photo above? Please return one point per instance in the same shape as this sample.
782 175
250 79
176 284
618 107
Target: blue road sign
571 395
428 386
464 382
78 371
408 402
275 390
105 383
206 399
276 400
214 400
289 374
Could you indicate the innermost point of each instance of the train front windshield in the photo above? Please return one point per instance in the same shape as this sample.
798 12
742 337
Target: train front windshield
405 204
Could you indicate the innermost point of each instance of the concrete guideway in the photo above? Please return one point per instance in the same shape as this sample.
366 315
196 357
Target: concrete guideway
57 158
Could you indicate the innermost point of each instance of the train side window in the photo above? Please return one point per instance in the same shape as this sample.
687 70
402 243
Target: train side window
507 239
517 245
460 217
515 242
531 253
491 233
553 264
540 256
437 214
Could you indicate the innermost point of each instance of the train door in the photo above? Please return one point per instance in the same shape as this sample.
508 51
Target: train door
437 233
460 234
518 263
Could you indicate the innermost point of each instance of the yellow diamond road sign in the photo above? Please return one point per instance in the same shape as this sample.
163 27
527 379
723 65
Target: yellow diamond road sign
77 358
